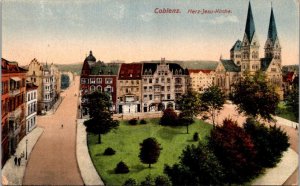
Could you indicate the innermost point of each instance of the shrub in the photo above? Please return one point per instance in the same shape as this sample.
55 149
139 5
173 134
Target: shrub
121 168
169 118
162 181
130 182
143 121
133 121
109 151
196 136
147 182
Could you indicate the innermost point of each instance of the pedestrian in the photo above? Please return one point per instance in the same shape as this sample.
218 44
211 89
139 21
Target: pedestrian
16 159
19 161
62 125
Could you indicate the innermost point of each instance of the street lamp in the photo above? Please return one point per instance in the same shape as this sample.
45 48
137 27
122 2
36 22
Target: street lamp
26 149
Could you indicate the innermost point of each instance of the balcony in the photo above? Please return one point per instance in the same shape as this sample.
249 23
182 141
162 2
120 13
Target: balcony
14 92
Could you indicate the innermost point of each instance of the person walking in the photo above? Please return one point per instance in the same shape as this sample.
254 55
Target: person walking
16 159
62 125
19 161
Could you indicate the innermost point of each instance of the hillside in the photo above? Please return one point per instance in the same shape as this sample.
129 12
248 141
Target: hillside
75 68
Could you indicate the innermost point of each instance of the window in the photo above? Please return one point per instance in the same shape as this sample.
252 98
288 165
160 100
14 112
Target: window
168 96
145 80
168 88
168 80
99 88
145 96
108 89
162 80
92 81
156 80
150 97
150 80
92 88
132 82
98 80
137 82
145 88
108 80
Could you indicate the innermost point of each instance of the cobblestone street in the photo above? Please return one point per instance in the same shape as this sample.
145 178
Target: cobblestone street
53 159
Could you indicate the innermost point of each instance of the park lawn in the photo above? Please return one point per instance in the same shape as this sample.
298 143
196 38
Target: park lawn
126 139
283 112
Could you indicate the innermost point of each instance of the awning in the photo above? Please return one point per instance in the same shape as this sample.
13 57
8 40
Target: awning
16 78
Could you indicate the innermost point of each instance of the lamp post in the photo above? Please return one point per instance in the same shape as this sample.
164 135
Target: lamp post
26 149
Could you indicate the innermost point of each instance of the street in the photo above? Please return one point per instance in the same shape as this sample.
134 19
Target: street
53 159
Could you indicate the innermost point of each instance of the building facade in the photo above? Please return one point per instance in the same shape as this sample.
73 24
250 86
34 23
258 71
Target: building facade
31 106
44 77
162 84
13 96
129 88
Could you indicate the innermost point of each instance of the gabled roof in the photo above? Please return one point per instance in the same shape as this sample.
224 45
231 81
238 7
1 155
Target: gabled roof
230 66
265 62
197 71
149 66
237 46
272 32
174 67
101 68
30 86
130 71
90 57
250 27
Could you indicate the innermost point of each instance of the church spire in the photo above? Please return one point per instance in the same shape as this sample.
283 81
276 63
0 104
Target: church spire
272 32
250 27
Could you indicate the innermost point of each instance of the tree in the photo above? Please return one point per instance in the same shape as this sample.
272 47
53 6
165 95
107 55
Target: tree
213 100
147 182
255 97
121 168
65 81
100 121
130 182
169 117
293 100
150 151
269 142
235 150
190 106
198 166
162 181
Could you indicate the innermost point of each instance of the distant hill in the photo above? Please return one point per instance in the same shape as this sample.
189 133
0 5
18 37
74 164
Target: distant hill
75 68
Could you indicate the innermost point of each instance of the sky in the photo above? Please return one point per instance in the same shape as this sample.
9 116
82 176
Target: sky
64 31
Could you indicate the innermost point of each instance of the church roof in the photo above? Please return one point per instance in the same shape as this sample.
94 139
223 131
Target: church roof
265 62
272 32
237 46
250 27
199 64
100 68
230 66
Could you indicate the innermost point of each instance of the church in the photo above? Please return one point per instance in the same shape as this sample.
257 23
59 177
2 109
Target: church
244 57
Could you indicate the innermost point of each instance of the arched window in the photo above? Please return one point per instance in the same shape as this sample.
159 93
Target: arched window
99 88
92 88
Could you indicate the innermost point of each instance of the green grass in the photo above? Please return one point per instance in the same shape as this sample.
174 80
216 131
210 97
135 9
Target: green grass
126 139
283 112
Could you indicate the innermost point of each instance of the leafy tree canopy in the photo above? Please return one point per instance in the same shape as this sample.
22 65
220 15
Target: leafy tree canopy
150 151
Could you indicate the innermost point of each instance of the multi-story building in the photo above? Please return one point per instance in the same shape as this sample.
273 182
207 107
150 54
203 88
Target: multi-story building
162 84
99 76
56 81
13 96
129 88
42 76
245 55
31 106
201 79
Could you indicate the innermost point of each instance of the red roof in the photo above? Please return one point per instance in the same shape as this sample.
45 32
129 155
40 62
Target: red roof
130 71
289 77
11 67
199 70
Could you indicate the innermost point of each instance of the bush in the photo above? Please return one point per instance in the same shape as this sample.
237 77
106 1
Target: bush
147 182
162 181
121 168
169 118
196 136
133 121
143 121
109 151
130 182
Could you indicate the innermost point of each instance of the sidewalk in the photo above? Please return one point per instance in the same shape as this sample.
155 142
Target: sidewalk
286 122
283 170
86 166
14 174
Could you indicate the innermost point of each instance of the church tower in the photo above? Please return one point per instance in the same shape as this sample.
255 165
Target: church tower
250 46
272 46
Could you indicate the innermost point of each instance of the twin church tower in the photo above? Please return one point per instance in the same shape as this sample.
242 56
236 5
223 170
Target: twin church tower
245 54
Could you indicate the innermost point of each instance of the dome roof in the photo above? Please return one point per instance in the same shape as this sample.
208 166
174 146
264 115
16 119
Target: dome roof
90 57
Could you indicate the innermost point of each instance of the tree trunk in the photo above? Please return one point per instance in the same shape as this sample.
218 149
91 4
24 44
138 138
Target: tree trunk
149 165
99 138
